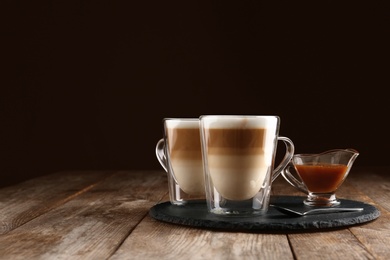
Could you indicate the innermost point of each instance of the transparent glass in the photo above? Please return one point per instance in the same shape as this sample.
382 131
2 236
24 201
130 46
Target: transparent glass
179 153
238 159
320 175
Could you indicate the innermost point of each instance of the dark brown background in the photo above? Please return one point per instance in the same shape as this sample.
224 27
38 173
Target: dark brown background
85 84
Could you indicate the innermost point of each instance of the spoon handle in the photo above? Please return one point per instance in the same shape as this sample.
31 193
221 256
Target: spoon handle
332 210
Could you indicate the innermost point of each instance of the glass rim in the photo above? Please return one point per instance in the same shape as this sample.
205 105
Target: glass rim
238 116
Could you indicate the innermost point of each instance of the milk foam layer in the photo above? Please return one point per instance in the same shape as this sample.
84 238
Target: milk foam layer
268 122
182 123
238 177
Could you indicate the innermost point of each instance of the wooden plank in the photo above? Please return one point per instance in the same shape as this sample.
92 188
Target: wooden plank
375 184
158 240
28 200
92 225
340 244
375 236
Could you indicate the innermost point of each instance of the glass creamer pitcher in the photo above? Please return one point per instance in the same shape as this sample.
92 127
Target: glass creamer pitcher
320 175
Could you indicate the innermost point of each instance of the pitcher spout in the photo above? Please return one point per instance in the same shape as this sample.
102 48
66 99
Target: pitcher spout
344 156
353 154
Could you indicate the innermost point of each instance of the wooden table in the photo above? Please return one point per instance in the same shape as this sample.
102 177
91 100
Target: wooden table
104 215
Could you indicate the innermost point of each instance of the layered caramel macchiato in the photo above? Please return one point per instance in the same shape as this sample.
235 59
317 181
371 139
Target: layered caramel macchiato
185 155
239 156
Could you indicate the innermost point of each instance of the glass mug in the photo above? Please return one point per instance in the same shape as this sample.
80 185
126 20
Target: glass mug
320 175
179 153
238 155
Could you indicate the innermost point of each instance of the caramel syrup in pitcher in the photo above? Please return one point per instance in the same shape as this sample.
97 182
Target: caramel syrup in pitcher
322 178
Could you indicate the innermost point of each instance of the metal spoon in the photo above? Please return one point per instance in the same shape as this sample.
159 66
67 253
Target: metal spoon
295 213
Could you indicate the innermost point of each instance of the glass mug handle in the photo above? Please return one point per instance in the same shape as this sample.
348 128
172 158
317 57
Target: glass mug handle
161 157
292 180
287 157
160 154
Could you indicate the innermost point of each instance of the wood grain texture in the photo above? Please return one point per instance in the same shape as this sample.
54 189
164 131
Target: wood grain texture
92 225
28 200
375 184
340 244
104 215
168 241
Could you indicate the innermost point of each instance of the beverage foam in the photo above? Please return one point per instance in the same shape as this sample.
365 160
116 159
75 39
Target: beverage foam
182 123
268 122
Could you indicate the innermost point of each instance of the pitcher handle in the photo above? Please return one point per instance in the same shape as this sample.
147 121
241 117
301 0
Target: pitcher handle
160 154
287 157
289 177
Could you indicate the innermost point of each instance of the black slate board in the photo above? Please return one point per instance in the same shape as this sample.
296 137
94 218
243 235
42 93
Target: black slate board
195 214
